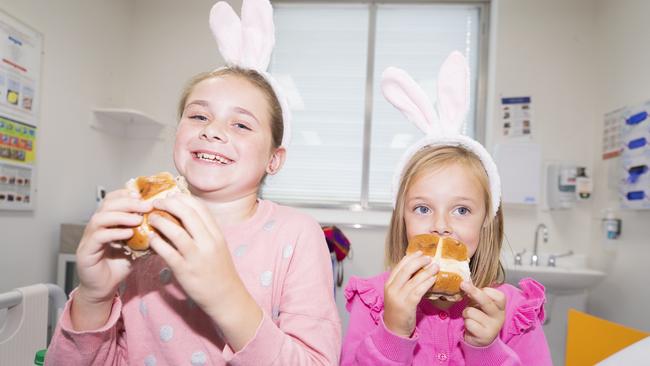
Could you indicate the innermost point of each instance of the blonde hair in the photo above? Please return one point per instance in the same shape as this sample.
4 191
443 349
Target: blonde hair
485 264
257 80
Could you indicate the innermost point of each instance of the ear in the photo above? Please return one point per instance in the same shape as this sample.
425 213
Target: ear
258 33
407 96
277 161
226 28
453 92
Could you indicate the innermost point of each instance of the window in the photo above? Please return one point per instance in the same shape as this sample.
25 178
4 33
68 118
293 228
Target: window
329 57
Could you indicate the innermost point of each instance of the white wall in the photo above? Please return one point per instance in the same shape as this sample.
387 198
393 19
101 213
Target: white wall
545 49
85 43
171 42
624 77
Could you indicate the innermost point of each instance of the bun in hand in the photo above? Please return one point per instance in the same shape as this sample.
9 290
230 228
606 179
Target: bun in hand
452 258
151 188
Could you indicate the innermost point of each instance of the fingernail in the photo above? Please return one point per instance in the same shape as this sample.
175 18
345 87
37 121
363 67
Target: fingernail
134 194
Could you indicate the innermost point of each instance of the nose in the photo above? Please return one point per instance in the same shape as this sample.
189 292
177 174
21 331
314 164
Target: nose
214 131
440 225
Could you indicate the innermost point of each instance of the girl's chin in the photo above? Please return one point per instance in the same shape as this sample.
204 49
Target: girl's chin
202 187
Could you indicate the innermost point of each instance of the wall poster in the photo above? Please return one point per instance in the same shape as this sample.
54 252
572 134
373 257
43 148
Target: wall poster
21 50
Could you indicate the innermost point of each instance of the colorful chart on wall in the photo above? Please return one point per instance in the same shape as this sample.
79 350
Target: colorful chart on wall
21 49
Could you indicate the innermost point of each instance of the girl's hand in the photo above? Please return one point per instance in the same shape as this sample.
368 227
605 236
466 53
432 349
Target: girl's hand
403 292
100 267
201 262
483 323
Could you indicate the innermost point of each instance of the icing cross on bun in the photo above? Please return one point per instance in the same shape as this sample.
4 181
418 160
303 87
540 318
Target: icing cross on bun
452 258
151 188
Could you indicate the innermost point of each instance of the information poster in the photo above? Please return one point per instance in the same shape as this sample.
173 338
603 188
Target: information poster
516 116
612 143
20 75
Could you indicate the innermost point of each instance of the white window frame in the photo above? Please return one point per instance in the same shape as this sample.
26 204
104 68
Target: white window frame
366 213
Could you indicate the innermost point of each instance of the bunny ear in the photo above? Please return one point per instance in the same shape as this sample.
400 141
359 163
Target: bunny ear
226 28
453 92
407 96
258 33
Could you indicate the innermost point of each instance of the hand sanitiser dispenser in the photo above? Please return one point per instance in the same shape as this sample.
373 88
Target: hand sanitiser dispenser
560 186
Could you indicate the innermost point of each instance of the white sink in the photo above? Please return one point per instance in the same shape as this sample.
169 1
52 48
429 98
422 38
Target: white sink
557 280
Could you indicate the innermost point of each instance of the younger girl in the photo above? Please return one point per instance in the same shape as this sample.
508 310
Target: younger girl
448 186
244 281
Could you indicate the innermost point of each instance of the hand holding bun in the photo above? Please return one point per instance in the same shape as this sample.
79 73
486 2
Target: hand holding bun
151 188
452 259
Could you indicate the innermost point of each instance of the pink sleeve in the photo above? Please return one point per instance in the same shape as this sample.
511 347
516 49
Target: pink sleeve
104 346
368 341
522 340
309 329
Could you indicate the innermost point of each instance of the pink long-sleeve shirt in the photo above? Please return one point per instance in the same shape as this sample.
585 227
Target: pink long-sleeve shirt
438 337
282 258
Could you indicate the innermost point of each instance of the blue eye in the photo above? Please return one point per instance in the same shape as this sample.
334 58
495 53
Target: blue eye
422 210
462 211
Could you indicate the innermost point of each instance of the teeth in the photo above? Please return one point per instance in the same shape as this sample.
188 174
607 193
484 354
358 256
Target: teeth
210 157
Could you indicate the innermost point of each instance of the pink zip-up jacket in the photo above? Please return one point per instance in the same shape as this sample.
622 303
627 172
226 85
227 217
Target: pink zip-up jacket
282 258
438 337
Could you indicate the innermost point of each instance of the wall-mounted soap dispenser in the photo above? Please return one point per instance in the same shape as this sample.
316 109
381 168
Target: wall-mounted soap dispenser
584 185
560 186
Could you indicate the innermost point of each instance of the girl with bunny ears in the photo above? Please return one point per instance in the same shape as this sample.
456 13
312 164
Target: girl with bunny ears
448 185
244 281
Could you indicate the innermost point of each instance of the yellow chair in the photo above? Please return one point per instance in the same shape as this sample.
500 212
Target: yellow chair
591 339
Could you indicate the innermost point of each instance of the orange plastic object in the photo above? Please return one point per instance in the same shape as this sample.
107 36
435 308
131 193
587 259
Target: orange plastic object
591 339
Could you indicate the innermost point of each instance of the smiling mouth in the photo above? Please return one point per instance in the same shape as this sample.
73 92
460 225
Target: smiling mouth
212 158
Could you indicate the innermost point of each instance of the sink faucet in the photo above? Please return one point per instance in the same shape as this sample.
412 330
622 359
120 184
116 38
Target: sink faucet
518 257
552 259
534 259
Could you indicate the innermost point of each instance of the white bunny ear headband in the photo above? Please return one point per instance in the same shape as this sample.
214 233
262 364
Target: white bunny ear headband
248 42
441 128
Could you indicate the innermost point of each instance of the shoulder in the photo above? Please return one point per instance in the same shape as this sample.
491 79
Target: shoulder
367 291
292 217
524 305
290 225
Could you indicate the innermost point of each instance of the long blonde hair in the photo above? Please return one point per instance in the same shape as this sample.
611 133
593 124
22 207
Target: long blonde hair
485 264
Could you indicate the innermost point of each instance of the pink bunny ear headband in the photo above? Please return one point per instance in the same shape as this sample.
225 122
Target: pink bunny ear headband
248 42
441 128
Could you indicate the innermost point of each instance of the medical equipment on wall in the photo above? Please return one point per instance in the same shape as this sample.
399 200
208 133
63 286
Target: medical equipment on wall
584 185
635 159
611 225
560 185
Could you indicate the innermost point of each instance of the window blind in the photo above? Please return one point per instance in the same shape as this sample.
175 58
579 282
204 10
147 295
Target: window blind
416 38
321 59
